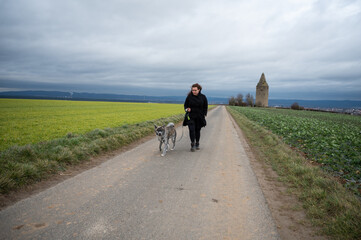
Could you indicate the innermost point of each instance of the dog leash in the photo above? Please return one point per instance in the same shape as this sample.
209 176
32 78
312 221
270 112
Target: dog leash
188 118
182 135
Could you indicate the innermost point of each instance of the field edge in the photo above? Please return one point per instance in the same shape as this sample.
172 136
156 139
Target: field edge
327 203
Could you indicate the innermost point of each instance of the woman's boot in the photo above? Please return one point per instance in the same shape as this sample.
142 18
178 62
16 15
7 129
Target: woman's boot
193 147
197 145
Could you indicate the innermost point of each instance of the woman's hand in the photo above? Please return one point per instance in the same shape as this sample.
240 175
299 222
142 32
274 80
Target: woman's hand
188 109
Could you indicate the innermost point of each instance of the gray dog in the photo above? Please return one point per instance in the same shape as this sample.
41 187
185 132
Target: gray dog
165 133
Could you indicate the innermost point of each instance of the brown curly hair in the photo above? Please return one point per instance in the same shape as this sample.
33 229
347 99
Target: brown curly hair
197 86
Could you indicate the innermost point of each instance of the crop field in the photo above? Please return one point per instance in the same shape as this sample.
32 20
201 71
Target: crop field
332 140
32 121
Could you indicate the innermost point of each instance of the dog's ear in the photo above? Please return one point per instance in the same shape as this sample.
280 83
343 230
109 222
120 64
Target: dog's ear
163 126
155 126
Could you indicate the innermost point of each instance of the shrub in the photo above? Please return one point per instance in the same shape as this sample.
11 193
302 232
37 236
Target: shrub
295 106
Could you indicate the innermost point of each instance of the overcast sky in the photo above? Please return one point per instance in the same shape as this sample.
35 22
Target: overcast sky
307 49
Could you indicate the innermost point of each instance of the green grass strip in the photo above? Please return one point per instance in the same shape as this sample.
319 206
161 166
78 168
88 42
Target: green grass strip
23 165
327 203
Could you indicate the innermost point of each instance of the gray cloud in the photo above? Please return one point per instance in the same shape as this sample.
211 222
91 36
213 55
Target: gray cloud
306 48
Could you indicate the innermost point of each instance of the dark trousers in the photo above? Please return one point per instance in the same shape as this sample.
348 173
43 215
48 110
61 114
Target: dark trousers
194 130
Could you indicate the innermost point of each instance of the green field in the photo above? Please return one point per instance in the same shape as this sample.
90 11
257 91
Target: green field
327 203
331 140
31 121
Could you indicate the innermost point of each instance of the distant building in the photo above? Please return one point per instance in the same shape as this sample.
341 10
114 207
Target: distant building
262 92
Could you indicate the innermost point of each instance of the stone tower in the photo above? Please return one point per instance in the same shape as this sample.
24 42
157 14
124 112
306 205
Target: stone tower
262 92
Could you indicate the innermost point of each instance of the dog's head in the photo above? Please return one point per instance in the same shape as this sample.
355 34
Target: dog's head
159 130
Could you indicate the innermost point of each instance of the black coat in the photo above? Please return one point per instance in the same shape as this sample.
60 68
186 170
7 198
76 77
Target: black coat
199 108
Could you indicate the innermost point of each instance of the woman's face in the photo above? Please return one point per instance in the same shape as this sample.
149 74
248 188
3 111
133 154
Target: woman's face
195 91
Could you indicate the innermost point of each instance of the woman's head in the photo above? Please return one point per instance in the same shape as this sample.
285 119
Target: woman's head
196 89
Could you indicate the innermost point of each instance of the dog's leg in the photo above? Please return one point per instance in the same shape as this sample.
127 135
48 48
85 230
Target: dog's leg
174 140
165 149
166 145
160 145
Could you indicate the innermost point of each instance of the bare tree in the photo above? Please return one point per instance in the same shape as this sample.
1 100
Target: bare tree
239 99
250 100
232 101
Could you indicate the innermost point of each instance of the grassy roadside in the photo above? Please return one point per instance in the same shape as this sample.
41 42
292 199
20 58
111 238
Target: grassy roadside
24 165
327 203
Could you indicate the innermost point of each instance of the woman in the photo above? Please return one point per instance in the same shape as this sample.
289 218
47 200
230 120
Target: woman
196 106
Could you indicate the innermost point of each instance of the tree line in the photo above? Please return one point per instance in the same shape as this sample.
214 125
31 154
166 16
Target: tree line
249 101
239 101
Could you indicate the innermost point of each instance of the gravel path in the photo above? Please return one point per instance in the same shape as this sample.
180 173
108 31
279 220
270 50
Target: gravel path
208 194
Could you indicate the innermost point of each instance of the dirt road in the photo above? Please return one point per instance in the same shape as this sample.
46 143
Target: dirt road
208 194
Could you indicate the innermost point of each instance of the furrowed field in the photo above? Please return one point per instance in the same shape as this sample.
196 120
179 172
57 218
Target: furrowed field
31 121
332 140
